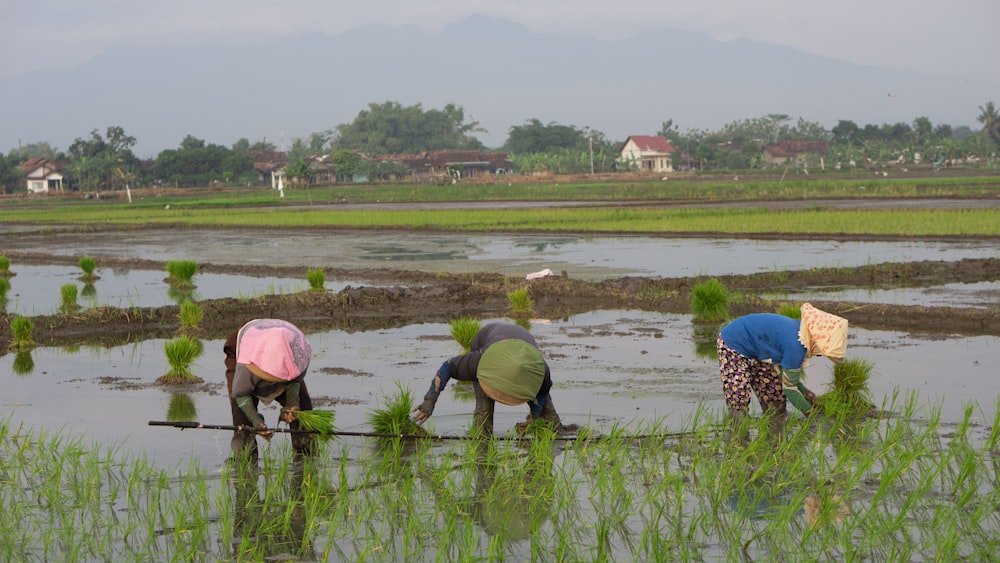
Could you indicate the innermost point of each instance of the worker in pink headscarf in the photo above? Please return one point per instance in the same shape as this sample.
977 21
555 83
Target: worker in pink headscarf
766 353
267 360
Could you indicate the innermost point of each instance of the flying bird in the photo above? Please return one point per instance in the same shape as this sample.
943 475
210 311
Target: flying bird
892 96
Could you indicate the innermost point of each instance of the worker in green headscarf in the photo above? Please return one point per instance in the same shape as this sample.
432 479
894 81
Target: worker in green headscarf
504 365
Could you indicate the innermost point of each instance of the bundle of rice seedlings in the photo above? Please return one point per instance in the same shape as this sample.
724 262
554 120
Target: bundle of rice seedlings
790 310
88 264
4 266
520 301
68 294
181 352
850 394
317 420
316 278
710 301
190 314
181 272
394 415
22 329
463 331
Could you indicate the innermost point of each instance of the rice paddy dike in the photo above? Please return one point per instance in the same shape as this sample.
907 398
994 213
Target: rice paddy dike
900 484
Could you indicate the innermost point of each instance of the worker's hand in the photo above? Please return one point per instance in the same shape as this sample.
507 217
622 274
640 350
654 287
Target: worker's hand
810 396
263 432
288 414
423 411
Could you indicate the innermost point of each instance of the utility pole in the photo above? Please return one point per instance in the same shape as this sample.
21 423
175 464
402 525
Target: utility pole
591 139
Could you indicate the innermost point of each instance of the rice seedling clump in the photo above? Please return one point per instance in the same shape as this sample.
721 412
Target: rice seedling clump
319 421
710 301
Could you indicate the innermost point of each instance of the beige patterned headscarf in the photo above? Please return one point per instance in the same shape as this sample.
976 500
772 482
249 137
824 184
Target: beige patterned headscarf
823 334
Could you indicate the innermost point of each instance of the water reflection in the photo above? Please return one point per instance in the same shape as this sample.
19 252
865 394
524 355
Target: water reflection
23 364
181 408
181 295
511 494
269 514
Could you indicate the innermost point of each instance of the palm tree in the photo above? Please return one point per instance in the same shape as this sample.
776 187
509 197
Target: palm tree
990 118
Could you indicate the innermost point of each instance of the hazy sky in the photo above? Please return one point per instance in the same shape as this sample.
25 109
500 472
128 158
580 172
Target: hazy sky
957 38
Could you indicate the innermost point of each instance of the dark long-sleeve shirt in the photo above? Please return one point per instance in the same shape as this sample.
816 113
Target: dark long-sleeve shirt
464 367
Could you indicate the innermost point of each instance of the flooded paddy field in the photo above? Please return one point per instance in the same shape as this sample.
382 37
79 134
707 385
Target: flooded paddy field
626 358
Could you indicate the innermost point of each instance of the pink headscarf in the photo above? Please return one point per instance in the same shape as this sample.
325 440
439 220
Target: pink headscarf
274 346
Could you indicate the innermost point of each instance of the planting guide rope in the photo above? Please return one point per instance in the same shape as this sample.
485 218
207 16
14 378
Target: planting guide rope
244 428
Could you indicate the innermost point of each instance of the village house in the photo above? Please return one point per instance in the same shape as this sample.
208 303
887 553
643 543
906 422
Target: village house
454 163
269 165
648 153
793 152
42 176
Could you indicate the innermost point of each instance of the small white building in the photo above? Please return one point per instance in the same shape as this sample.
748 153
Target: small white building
41 176
648 153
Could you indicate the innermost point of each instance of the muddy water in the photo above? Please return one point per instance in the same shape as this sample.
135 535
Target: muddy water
609 368
35 290
582 256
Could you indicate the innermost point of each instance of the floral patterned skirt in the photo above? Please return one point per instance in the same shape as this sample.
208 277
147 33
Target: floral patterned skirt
741 374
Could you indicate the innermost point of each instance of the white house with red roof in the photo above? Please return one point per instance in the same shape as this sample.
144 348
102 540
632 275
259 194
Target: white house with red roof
648 153
41 175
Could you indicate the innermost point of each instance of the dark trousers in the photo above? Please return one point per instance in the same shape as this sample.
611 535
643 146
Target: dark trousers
245 442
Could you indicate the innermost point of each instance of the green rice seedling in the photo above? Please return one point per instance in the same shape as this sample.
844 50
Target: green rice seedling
4 266
22 328
88 264
317 420
4 289
316 278
23 363
181 272
710 301
850 394
181 408
181 352
393 417
190 314
464 330
520 301
790 310
68 293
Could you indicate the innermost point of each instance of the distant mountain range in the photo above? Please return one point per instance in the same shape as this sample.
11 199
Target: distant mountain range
501 73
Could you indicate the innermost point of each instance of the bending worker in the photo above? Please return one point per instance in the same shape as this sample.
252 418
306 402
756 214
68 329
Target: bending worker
767 352
504 365
266 360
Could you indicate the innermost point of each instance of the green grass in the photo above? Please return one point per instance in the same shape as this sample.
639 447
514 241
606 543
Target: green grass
4 266
900 488
260 208
710 301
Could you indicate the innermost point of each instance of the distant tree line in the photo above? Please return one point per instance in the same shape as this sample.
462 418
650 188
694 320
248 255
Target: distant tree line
364 147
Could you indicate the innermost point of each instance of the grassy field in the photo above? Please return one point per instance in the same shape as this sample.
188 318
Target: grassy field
316 207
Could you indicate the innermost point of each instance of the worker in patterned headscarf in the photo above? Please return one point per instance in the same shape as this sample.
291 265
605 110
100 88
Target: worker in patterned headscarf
504 365
266 360
766 353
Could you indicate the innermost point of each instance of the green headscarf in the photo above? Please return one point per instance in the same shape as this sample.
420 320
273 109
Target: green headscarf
513 368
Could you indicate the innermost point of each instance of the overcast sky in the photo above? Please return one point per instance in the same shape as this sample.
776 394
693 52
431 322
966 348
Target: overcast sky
957 38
